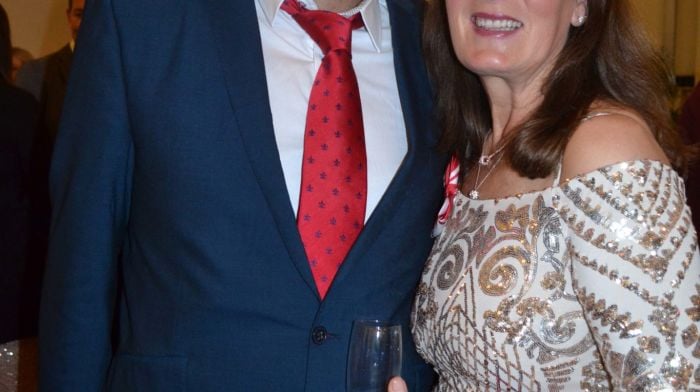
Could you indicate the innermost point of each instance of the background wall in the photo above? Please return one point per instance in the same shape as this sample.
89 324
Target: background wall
38 26
673 27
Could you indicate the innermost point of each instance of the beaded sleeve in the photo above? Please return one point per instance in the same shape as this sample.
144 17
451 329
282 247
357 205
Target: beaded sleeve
635 270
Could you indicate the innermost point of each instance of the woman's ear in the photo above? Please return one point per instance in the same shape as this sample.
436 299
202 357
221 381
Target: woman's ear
578 17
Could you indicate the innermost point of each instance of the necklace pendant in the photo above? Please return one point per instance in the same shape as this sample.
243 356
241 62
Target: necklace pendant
484 160
474 194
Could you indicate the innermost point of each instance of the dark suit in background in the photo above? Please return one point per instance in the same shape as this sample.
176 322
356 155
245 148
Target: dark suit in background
19 274
30 76
46 78
166 156
54 89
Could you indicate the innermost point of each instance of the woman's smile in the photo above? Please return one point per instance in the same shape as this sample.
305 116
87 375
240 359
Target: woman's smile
498 25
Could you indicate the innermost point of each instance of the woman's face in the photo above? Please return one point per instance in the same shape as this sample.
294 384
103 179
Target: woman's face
517 40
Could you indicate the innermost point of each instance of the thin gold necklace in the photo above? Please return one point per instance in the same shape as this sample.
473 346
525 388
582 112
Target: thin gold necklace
485 160
474 193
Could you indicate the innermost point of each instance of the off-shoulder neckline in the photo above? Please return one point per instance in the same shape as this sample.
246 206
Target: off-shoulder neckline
560 183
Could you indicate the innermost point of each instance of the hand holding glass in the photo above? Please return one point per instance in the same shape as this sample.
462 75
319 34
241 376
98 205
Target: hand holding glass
375 356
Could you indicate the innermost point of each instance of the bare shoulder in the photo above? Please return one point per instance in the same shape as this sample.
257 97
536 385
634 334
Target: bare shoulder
614 135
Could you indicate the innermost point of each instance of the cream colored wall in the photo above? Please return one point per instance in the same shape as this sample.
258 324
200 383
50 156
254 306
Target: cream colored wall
673 27
687 48
654 15
697 43
38 25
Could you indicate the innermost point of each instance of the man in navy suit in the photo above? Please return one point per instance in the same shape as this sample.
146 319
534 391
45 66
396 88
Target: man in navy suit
175 186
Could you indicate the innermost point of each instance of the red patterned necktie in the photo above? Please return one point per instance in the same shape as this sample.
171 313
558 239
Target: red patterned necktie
334 171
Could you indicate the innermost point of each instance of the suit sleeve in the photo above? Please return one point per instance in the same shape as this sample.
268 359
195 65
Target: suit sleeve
89 186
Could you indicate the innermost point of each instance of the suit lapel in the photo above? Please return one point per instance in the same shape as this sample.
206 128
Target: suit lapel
236 34
244 71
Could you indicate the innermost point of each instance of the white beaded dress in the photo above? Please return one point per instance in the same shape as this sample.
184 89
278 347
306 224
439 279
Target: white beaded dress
589 285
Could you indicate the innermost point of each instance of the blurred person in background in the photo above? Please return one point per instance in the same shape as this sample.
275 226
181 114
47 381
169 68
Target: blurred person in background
30 76
19 57
689 124
46 78
19 284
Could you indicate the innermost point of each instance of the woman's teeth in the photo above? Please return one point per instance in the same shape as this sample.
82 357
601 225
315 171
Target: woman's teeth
497 24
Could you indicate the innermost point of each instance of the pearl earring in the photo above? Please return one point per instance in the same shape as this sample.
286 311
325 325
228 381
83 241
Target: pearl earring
581 20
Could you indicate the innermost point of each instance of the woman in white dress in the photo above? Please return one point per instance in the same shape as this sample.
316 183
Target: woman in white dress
568 261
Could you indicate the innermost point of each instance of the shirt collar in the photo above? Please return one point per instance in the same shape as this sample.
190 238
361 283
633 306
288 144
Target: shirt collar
369 9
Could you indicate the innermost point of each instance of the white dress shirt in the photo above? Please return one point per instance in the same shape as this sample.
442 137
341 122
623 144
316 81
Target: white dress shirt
292 59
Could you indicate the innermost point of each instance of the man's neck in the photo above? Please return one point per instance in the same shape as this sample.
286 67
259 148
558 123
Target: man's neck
337 5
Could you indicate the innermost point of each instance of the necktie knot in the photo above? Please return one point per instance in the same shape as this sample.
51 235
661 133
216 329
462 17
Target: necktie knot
330 31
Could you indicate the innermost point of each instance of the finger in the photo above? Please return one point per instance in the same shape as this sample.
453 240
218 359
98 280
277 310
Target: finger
397 385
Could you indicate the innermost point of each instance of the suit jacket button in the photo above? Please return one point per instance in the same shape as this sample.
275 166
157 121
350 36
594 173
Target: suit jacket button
319 335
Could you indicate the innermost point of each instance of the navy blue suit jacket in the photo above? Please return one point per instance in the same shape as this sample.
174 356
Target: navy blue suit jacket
169 201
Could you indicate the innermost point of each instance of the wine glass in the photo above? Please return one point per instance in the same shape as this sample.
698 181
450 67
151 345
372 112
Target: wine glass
375 355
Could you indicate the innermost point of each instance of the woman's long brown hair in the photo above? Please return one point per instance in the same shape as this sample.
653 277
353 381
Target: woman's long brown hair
608 58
